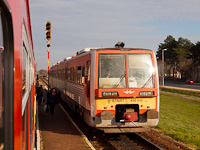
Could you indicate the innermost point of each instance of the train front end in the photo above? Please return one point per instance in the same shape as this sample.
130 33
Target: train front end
126 90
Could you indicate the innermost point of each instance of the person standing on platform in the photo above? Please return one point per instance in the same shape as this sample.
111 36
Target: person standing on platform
52 100
39 94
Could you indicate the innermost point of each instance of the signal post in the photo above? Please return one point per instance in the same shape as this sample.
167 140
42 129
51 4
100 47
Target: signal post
48 38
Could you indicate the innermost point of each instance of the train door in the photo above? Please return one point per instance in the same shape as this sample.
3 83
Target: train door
88 70
6 78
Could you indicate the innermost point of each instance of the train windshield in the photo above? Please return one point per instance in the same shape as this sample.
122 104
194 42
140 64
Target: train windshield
112 71
140 71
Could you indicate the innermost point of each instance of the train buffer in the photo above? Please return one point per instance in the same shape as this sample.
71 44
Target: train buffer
58 132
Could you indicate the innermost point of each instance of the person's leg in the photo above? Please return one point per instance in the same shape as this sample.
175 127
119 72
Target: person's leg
53 107
39 100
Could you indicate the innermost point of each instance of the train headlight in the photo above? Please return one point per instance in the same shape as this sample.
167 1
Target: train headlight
110 94
146 93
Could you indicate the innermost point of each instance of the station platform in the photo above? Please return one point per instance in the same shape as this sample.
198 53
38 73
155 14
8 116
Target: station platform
57 132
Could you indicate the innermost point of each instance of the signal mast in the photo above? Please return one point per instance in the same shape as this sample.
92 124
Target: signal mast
48 38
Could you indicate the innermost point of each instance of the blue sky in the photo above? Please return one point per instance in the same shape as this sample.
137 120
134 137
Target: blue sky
77 24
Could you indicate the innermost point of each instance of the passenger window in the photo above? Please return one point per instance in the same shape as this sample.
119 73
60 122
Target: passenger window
63 73
68 73
24 70
79 74
75 74
71 74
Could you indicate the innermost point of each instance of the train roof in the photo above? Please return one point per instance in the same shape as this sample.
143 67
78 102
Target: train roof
88 50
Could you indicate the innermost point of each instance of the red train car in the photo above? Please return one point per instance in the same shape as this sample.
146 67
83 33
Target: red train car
17 77
113 89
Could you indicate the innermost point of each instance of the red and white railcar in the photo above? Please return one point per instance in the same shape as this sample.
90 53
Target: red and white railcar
114 89
17 81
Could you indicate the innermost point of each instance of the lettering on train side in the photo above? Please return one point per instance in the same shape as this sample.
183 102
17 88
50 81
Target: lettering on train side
117 100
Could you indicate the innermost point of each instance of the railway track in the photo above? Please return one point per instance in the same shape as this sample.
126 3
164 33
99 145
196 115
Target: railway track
100 140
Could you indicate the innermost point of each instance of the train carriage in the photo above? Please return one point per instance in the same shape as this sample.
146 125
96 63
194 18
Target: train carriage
113 89
17 77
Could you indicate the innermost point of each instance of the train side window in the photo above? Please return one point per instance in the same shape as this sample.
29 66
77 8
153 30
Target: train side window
68 73
58 73
75 74
1 84
71 73
79 74
24 70
63 73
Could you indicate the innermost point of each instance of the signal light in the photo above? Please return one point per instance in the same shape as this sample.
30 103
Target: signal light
48 30
48 45
48 35
48 25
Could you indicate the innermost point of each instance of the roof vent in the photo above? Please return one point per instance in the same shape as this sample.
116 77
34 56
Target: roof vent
119 45
67 58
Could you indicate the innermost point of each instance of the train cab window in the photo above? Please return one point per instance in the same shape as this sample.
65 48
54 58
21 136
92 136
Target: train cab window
112 71
1 84
140 71
24 71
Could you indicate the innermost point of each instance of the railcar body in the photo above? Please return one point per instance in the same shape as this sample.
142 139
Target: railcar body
17 77
113 89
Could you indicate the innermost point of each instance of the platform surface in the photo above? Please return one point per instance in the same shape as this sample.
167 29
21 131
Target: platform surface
58 133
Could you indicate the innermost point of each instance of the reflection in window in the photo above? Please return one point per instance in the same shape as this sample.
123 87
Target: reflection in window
112 71
24 69
140 71
1 85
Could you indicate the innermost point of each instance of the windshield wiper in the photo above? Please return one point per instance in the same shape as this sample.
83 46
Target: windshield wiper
120 80
147 81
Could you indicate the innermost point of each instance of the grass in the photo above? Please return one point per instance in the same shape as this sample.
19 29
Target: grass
180 119
183 92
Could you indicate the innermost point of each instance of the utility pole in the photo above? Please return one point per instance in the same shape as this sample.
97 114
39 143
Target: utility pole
163 67
48 38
